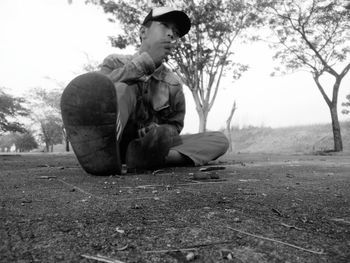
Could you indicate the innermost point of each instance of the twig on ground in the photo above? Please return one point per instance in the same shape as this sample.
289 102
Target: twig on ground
193 182
123 248
277 241
46 177
80 190
191 248
341 220
102 259
212 168
101 198
292 227
157 172
190 182
277 212
169 250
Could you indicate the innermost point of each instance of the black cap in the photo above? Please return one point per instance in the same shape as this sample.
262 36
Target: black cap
179 18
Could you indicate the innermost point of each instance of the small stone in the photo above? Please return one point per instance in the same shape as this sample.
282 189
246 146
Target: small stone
190 256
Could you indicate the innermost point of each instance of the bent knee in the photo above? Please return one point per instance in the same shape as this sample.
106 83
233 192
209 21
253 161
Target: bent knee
220 140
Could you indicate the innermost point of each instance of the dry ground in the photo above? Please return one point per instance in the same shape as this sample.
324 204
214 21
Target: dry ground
260 208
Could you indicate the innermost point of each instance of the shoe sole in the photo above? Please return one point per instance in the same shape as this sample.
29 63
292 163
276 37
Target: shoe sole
89 111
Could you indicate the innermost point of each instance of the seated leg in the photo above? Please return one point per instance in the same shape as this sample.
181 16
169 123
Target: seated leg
175 158
204 147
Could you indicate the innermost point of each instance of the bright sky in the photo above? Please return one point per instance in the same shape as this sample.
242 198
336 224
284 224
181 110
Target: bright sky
49 38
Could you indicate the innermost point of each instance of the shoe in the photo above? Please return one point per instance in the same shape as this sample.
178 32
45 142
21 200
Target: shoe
89 112
150 151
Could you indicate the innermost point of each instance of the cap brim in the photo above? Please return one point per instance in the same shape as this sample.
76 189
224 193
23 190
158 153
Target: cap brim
179 18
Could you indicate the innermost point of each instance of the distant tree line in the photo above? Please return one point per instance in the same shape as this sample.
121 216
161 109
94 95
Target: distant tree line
22 142
39 111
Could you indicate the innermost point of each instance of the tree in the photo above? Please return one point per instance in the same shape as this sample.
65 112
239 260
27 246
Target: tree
10 109
52 98
313 35
51 131
25 142
346 105
46 113
6 142
202 57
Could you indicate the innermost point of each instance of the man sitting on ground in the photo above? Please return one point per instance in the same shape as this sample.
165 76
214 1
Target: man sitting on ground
133 110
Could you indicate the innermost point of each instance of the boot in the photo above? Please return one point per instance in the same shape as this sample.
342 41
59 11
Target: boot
89 112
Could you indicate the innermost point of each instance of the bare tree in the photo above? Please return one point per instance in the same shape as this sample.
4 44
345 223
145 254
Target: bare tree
313 35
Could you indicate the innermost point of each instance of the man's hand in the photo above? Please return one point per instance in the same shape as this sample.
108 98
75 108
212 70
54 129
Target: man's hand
158 51
142 132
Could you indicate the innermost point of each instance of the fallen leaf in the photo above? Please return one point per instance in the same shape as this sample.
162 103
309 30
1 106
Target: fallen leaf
227 254
121 231
277 212
123 248
237 220
290 175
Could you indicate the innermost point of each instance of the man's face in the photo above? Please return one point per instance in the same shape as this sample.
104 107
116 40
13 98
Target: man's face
161 30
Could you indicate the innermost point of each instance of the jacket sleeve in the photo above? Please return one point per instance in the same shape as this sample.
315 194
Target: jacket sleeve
120 69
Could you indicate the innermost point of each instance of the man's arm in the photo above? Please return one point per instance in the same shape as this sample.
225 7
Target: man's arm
151 56
119 69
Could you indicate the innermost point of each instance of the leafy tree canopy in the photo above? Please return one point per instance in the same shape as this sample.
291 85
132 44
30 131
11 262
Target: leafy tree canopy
312 34
11 108
45 112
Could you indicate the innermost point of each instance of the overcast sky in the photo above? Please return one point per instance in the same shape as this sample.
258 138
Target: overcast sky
49 38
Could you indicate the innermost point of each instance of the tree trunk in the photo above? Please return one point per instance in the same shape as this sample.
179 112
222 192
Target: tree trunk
47 146
203 116
228 125
67 145
338 143
65 136
332 104
51 148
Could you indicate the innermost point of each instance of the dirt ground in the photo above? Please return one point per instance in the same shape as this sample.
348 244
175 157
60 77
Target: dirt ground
252 208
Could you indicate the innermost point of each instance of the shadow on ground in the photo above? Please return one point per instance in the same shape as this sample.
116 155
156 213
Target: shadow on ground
252 208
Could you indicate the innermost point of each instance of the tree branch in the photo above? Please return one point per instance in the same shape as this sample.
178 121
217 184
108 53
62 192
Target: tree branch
316 77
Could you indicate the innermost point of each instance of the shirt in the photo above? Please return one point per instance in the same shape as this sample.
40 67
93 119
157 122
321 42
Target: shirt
159 88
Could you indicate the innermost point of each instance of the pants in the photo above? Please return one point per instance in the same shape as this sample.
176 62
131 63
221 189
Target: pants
201 148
